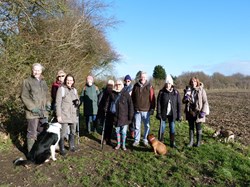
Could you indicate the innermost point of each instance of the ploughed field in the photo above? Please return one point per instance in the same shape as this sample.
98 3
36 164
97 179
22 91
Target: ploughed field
231 109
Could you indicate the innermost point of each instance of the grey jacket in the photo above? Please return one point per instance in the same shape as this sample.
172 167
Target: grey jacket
35 95
64 104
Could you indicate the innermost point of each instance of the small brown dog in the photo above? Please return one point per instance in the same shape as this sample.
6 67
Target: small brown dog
159 147
225 134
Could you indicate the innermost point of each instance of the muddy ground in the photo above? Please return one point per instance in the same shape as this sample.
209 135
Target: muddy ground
227 109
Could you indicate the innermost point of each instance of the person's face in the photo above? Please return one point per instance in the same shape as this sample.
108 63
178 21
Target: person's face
118 86
194 83
37 71
168 86
69 82
61 78
89 82
143 78
127 82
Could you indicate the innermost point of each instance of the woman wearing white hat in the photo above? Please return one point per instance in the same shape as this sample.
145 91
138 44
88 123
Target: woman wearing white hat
168 108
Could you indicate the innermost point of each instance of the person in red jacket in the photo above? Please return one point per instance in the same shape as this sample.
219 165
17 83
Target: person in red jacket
59 81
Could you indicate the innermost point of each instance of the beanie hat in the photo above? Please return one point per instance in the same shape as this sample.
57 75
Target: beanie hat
127 77
111 82
90 78
169 79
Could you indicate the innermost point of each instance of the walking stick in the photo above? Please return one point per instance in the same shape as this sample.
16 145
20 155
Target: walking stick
78 126
103 129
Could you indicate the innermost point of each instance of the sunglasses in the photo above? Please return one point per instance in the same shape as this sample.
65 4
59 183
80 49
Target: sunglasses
61 76
128 81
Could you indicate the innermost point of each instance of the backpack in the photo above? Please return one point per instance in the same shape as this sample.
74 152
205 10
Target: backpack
113 104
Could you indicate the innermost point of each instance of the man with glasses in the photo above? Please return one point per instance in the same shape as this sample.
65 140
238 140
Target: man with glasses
128 87
59 81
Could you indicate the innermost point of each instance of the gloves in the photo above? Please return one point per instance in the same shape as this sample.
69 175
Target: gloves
151 111
202 114
158 116
36 110
187 98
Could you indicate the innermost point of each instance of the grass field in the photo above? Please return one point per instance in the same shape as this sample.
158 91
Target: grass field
212 164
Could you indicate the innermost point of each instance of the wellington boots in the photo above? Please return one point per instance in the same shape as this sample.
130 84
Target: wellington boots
172 140
72 143
191 138
61 147
30 143
199 134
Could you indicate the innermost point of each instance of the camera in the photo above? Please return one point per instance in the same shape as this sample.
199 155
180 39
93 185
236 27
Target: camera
76 102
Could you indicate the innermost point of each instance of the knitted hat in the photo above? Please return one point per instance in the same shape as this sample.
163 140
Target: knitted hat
127 77
90 78
111 82
169 79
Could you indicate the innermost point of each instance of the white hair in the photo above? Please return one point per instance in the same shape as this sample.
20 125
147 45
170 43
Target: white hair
144 73
37 65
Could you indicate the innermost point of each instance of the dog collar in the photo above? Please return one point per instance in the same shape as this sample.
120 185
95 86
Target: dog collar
151 139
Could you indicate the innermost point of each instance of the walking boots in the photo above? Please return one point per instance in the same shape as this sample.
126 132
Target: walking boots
172 140
191 138
199 134
72 142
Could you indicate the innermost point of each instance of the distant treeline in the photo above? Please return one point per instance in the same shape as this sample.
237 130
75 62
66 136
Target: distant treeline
215 81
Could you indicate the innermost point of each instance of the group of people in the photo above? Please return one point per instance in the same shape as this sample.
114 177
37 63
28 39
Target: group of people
120 104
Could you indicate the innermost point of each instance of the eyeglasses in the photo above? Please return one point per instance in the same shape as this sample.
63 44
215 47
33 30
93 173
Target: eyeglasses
128 81
61 76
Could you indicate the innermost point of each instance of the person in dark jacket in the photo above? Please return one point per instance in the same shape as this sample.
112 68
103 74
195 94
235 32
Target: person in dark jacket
144 104
168 108
36 99
123 114
89 98
104 113
128 87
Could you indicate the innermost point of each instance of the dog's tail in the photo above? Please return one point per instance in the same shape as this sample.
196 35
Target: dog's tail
21 162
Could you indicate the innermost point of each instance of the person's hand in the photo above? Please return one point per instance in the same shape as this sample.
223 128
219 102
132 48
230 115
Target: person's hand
76 102
158 116
151 111
202 114
187 98
59 119
36 110
48 107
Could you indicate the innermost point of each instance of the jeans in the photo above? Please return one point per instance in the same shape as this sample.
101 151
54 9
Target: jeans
171 125
139 117
90 119
122 130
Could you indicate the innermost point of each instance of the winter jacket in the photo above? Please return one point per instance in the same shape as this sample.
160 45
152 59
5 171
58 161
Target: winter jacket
197 104
143 97
128 88
64 104
124 109
35 95
162 103
54 89
89 97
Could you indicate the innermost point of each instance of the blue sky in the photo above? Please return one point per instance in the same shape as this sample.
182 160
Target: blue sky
182 36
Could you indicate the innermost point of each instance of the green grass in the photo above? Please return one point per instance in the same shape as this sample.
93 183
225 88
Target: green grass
212 164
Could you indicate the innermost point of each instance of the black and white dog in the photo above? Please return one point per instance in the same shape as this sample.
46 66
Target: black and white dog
44 147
